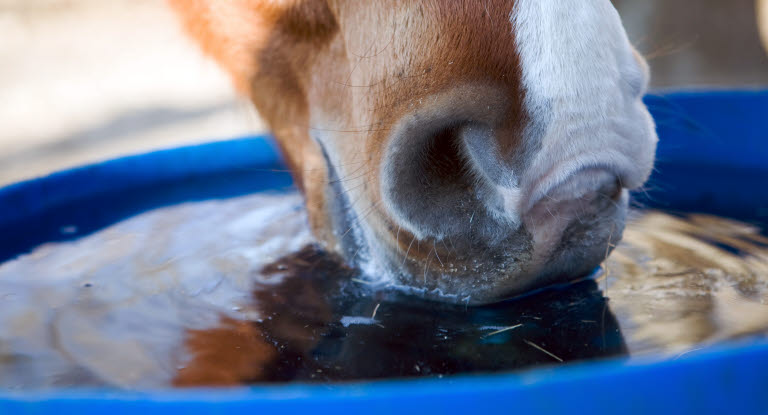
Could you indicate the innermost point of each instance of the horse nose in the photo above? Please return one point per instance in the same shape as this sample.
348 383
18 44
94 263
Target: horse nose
503 203
457 166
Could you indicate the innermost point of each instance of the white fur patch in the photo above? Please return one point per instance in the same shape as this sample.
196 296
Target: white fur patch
583 86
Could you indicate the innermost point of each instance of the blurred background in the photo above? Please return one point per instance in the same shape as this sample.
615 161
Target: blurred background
88 80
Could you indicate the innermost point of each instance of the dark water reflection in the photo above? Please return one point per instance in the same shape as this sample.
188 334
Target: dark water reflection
159 300
322 324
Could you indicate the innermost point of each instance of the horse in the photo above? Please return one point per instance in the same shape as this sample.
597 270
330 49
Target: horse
468 151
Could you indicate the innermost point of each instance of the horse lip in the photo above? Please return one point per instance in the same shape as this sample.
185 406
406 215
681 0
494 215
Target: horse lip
558 177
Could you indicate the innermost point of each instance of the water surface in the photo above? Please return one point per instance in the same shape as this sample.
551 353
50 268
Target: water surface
232 292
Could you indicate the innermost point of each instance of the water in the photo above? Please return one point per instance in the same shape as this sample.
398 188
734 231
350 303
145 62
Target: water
232 292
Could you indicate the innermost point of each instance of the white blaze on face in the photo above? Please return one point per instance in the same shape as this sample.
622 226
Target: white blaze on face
583 85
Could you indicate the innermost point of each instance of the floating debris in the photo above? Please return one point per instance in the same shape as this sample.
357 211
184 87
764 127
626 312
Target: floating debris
536 346
503 330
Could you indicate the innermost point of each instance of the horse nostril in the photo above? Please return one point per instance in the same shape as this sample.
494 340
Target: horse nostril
442 166
426 171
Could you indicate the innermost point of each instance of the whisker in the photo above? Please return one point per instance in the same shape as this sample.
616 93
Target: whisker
359 219
434 248
358 63
408 250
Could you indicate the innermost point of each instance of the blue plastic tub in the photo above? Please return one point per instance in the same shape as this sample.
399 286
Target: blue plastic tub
712 158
